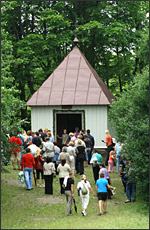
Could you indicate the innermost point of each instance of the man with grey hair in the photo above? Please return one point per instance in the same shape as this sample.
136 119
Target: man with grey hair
64 155
48 148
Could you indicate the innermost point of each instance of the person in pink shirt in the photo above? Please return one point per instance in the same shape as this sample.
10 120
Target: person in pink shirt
111 162
72 137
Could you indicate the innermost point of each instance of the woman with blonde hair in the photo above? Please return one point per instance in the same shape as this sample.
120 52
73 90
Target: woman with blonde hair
83 187
71 151
49 134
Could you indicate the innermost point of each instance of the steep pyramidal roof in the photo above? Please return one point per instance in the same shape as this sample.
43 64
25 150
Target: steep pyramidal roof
73 82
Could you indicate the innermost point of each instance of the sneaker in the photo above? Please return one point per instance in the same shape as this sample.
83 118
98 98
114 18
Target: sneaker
38 185
83 213
105 212
43 185
14 168
127 201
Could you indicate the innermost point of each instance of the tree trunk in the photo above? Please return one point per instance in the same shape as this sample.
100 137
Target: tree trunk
22 97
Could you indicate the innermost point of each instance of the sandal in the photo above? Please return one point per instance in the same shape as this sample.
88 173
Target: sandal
100 214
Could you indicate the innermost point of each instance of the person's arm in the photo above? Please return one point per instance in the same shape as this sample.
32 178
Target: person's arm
33 163
106 140
59 137
115 149
90 188
26 139
96 188
72 189
110 187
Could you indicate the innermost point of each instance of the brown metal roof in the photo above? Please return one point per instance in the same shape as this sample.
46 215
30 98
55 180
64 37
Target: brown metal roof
73 82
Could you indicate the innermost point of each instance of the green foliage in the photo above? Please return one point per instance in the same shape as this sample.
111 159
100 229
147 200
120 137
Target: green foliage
129 115
10 102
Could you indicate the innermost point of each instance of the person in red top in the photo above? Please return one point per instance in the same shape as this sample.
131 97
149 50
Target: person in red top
109 144
16 152
28 164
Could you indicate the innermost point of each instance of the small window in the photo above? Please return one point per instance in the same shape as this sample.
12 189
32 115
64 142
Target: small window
66 107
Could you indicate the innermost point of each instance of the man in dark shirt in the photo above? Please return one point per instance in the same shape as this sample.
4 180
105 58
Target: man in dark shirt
43 134
36 140
93 142
69 192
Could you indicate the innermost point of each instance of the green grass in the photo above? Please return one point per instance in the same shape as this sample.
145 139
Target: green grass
20 208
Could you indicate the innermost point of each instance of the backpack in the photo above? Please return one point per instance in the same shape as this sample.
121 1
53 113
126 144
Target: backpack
84 190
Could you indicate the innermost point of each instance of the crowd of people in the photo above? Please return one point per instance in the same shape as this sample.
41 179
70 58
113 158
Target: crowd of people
38 154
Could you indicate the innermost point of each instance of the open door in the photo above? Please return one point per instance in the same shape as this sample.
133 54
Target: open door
67 121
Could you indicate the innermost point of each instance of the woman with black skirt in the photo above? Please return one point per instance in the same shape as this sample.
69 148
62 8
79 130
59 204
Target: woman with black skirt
49 171
81 157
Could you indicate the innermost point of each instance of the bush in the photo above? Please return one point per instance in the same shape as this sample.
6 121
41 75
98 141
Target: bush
130 118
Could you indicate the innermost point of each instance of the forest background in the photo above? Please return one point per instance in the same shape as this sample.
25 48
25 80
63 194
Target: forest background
114 37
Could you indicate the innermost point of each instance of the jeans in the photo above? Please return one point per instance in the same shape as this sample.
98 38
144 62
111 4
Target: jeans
118 161
130 189
88 150
28 177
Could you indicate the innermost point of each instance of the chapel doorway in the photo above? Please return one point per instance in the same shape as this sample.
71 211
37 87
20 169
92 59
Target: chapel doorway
67 121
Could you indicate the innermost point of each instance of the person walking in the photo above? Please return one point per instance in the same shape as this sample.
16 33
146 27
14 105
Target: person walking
117 150
95 161
39 161
101 189
84 187
111 161
28 164
68 185
80 152
88 144
49 171
15 150
92 147
48 148
130 183
57 152
109 144
71 151
107 177
64 155
63 169
36 140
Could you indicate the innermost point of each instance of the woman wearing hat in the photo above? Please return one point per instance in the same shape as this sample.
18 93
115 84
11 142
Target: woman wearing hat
83 187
